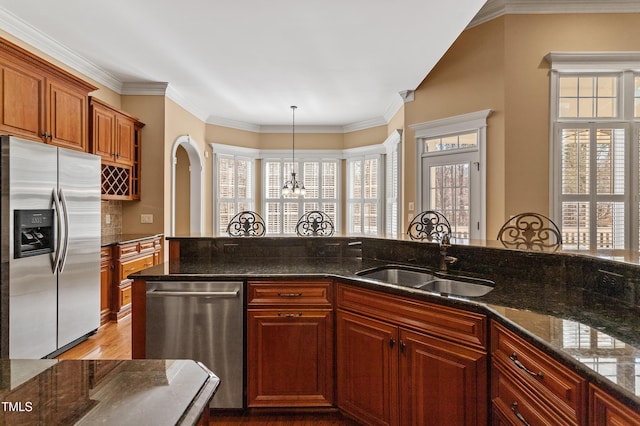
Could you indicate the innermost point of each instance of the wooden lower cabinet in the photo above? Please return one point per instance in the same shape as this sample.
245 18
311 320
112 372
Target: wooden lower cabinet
106 278
290 358
366 365
607 411
129 258
441 382
290 344
389 374
529 385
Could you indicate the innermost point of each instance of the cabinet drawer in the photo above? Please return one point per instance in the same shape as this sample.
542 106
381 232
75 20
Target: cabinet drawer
268 293
129 249
513 400
125 294
146 246
135 265
459 326
105 253
563 388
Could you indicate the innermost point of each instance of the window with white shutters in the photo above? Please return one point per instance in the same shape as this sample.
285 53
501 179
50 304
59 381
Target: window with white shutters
234 188
364 195
321 180
595 136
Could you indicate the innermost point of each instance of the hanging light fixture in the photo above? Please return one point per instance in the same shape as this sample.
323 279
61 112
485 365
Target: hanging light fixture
292 186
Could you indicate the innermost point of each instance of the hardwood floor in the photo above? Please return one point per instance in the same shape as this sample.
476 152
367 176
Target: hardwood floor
113 341
283 419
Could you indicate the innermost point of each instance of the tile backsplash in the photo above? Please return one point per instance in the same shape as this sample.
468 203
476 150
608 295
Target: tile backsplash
111 210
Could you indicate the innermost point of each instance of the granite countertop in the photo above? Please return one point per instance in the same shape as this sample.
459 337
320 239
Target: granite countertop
85 392
107 240
582 328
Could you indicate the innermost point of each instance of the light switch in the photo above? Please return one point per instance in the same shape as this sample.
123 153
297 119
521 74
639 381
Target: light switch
146 218
107 219
412 206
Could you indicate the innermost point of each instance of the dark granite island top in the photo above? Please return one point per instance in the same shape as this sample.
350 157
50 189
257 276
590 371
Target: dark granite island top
584 311
79 392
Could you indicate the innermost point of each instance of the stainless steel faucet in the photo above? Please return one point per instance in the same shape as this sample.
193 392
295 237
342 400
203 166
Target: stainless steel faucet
445 261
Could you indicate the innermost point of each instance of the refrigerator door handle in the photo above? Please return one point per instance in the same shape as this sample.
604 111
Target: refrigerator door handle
65 249
58 212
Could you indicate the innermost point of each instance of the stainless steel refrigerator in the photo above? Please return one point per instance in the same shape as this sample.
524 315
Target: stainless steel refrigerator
50 248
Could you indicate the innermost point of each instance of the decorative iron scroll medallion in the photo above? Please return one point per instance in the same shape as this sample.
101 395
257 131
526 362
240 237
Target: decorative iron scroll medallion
530 231
429 225
315 224
246 224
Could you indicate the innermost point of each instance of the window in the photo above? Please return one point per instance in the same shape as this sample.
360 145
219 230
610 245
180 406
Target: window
451 172
364 212
595 122
321 179
233 185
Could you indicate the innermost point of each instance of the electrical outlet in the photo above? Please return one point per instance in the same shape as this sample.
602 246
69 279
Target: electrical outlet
146 218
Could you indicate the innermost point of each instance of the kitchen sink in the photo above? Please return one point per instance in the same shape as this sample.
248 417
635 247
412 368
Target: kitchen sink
457 287
399 275
434 282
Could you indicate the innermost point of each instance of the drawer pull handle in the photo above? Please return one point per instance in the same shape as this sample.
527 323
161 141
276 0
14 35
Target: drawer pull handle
131 269
289 294
514 357
514 408
289 314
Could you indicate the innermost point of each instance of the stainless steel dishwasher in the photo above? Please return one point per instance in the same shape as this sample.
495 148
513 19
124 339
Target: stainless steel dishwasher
203 321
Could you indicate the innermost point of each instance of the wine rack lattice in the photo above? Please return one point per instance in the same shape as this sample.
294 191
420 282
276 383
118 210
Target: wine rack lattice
116 181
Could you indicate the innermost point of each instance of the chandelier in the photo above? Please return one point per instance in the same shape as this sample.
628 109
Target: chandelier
293 186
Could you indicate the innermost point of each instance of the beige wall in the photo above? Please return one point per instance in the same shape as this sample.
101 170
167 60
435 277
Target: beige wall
468 78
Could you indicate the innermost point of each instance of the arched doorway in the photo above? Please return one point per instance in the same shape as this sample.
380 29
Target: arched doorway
194 198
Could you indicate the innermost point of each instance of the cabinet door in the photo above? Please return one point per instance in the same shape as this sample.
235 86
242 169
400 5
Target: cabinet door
106 278
102 132
125 140
441 382
367 369
67 116
22 102
607 411
290 358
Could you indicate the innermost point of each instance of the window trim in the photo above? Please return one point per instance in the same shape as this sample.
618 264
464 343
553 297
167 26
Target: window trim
471 122
627 66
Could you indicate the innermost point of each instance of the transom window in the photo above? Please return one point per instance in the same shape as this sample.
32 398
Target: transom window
588 96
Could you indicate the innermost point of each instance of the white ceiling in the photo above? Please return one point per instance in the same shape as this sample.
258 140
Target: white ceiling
243 63
340 61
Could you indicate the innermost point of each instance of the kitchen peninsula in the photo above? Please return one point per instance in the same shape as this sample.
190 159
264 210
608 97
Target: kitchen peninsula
558 330
158 392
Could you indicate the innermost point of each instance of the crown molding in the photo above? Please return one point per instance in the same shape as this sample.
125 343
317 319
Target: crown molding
366 124
145 88
593 61
37 39
495 8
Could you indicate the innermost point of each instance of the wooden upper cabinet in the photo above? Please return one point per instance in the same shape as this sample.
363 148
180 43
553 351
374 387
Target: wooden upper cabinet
102 131
125 139
113 134
22 102
67 116
41 102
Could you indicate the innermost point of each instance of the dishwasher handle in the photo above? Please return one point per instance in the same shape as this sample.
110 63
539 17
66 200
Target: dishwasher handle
209 294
